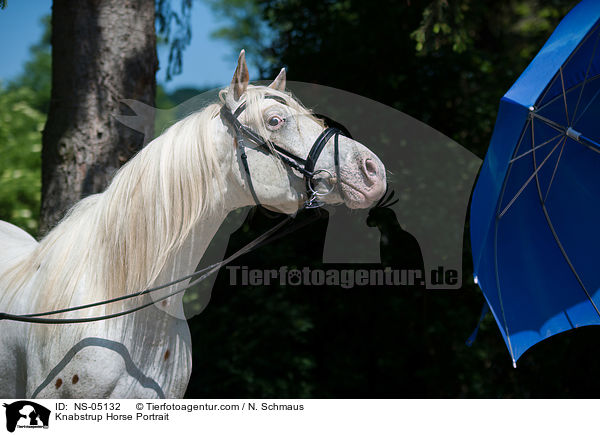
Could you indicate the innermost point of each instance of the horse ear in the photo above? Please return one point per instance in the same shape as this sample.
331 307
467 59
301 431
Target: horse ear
279 82
240 80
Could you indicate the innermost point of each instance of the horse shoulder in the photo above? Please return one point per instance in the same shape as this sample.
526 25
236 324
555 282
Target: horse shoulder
114 367
91 369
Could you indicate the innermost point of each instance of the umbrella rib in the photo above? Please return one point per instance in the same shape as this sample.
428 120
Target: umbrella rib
562 83
580 139
568 260
504 183
510 348
583 41
562 148
587 107
532 176
575 92
553 124
550 85
587 72
496 223
533 149
553 230
523 133
571 89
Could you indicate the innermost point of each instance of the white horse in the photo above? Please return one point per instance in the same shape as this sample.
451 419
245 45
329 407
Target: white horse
151 226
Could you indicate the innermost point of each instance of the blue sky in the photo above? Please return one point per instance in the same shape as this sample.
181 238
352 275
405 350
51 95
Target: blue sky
206 62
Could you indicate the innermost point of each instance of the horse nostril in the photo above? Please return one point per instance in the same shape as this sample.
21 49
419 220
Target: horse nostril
370 168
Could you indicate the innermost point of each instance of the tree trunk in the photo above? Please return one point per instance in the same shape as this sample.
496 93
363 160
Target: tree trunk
103 51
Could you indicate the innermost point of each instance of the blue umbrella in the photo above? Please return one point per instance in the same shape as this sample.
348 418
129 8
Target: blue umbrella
535 213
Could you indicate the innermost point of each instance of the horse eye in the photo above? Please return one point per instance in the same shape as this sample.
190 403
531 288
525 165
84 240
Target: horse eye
275 122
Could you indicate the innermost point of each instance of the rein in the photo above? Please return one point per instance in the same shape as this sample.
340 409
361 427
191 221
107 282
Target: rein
42 318
305 166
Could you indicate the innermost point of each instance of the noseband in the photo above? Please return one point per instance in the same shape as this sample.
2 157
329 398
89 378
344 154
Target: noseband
305 166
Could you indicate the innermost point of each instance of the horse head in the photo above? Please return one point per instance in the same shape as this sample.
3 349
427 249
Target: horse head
286 156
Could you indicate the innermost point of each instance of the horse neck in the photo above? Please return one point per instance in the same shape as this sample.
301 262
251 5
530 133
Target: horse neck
184 261
134 236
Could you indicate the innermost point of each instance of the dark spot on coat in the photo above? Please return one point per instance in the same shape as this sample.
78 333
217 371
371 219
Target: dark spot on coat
58 383
75 379
164 303
167 354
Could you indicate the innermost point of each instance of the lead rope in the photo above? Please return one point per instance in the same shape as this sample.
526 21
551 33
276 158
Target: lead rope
291 160
202 274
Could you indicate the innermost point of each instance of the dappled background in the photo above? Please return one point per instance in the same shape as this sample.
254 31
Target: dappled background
444 63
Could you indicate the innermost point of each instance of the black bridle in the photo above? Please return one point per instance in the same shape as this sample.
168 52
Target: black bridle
305 166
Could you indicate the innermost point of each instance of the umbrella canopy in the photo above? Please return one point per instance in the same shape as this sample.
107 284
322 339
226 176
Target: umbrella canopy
535 212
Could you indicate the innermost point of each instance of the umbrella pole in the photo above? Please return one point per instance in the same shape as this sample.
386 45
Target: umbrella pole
570 132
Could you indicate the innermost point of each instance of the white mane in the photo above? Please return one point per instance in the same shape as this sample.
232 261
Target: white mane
151 226
120 240
117 242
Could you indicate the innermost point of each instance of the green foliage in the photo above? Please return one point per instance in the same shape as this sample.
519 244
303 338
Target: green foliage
446 63
21 125
174 29
443 24
181 95
456 24
250 30
23 106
